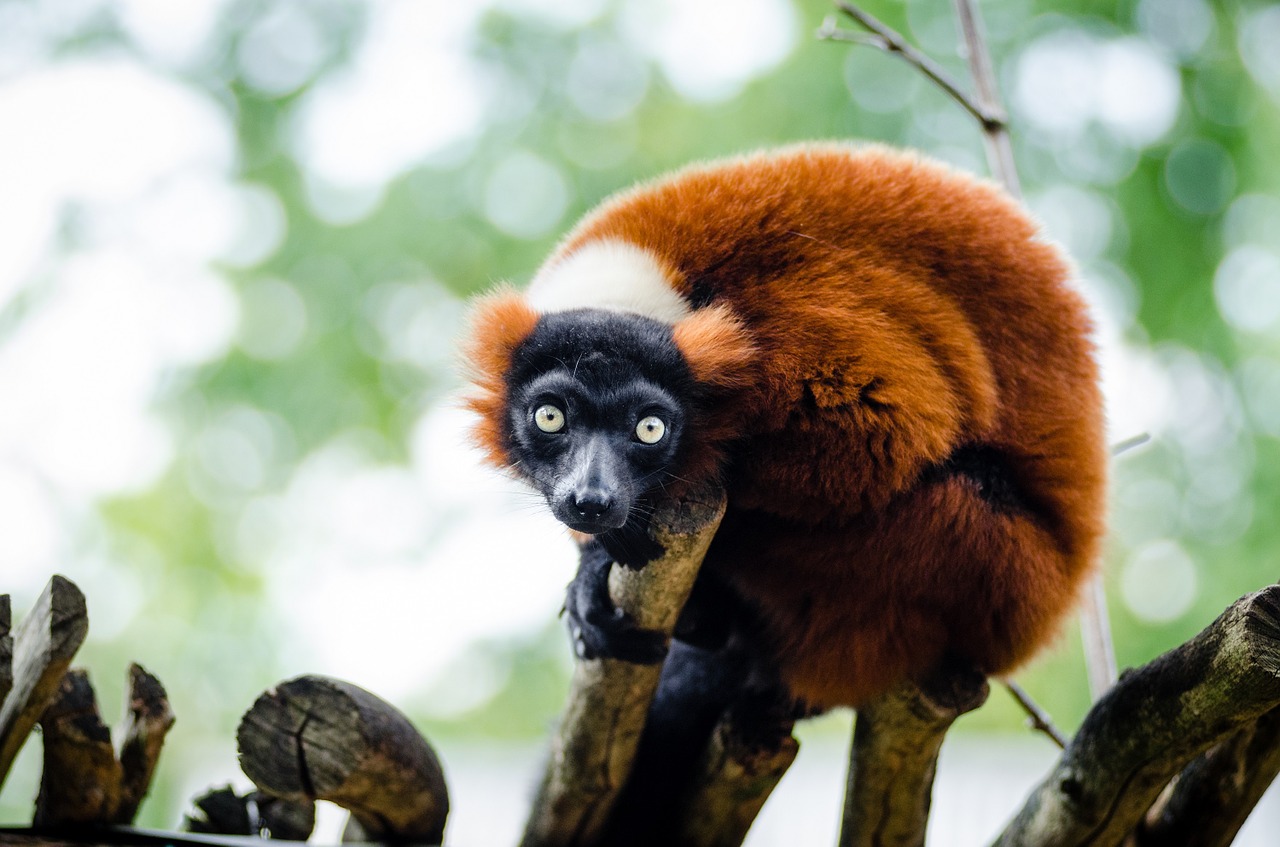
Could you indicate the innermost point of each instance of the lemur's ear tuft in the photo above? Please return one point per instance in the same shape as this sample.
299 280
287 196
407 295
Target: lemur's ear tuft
499 322
717 346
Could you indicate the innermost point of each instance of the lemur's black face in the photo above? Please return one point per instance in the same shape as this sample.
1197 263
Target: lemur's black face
597 408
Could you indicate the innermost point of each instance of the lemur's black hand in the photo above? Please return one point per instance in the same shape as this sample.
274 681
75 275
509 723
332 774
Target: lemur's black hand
599 630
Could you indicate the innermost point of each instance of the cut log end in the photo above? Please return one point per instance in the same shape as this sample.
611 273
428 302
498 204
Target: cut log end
42 650
315 738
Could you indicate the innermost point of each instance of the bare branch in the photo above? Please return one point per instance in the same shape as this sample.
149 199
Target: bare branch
890 41
1037 718
1129 443
1095 632
894 757
995 134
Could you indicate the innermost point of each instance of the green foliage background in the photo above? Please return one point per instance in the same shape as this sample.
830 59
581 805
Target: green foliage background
1156 217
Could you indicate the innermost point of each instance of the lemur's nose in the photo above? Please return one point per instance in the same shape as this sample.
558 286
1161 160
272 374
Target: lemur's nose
592 504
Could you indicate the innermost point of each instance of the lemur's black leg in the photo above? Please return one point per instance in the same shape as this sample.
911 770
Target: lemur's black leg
697 686
710 614
598 628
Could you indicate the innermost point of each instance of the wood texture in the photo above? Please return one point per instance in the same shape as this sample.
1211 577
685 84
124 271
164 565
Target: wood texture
595 743
1210 800
42 651
6 649
315 738
148 719
80 783
738 774
83 781
1155 720
896 740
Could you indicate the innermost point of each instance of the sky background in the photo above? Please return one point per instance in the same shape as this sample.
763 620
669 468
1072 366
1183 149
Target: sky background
239 238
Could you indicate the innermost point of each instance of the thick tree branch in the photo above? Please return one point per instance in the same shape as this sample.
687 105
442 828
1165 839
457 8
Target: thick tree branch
738 772
1210 800
84 782
896 741
595 744
1152 723
147 721
81 780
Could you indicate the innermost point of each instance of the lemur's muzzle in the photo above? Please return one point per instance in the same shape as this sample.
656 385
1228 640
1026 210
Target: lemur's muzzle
595 495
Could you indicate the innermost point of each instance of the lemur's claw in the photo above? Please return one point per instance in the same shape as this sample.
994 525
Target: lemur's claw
619 638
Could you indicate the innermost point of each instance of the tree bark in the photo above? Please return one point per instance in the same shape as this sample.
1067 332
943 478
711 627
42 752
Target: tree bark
315 738
595 744
42 650
1152 723
6 650
896 741
81 780
223 812
148 719
738 774
1210 800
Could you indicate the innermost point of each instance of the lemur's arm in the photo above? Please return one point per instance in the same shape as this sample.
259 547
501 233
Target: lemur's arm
600 630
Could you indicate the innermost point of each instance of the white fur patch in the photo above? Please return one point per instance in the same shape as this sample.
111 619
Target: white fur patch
611 275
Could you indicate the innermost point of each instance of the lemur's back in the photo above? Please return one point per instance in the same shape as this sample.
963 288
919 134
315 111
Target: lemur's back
918 464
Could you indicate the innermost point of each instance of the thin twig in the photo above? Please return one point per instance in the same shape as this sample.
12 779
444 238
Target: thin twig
890 41
1095 632
996 135
1037 718
1129 443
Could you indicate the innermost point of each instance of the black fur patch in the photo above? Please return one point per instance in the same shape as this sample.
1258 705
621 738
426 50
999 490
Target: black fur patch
603 349
988 469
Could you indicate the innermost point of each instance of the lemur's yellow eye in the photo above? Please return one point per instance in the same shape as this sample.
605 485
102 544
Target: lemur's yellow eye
549 418
651 429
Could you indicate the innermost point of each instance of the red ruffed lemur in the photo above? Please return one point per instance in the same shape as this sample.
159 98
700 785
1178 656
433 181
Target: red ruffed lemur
885 364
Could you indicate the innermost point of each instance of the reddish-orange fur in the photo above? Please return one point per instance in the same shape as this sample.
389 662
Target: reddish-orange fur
872 311
500 322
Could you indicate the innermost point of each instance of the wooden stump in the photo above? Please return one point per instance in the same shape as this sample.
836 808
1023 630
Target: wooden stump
83 782
42 651
315 738
736 777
